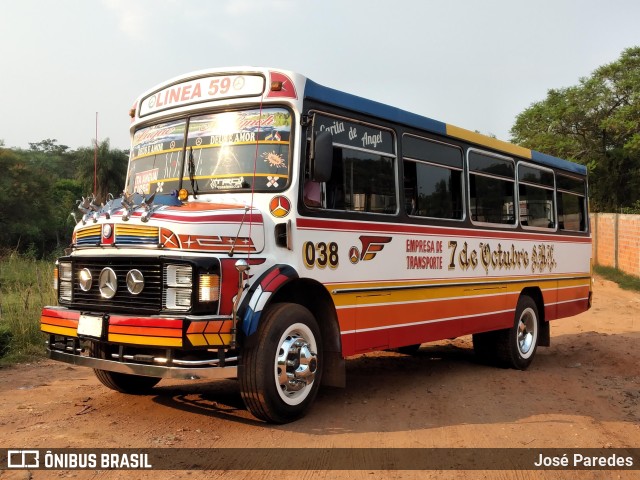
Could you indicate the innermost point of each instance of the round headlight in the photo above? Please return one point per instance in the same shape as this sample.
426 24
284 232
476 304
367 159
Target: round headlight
85 280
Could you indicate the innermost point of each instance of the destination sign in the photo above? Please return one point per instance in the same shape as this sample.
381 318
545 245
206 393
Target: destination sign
202 90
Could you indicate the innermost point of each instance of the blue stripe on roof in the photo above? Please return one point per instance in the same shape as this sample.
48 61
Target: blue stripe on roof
337 98
559 163
370 107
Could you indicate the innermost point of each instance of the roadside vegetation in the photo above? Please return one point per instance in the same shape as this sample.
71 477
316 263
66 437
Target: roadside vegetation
624 280
25 286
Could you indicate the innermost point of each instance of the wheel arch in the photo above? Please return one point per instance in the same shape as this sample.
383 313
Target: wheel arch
282 284
544 335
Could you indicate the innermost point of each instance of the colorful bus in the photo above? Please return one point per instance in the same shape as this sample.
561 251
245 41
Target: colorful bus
271 227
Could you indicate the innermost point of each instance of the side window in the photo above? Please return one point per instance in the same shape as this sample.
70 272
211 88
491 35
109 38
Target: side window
491 188
432 179
535 197
571 203
361 182
363 173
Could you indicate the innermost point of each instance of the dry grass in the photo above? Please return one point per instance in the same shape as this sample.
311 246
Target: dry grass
25 287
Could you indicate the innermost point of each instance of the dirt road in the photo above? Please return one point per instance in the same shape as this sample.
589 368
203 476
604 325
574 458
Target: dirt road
582 392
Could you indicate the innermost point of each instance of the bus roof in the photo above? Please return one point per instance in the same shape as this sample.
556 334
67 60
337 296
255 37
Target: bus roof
338 98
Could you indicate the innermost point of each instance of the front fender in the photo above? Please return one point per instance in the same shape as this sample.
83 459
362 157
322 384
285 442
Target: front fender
259 294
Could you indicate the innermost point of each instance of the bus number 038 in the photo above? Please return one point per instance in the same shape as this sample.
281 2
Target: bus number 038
320 254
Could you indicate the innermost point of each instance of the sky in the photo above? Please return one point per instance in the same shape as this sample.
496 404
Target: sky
476 64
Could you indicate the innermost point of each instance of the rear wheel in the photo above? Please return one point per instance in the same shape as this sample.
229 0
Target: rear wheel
484 346
280 370
517 345
513 347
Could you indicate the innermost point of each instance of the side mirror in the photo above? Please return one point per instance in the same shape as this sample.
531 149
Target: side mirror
321 157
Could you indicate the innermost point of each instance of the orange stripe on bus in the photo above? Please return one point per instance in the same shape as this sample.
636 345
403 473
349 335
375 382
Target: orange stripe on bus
572 293
398 314
212 326
61 322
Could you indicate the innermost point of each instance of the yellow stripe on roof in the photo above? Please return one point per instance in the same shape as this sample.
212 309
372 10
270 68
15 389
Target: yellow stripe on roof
485 141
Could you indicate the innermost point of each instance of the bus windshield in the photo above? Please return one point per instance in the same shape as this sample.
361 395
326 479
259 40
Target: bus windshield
246 149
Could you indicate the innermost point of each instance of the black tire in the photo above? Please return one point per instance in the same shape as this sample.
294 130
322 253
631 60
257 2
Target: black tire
484 346
517 345
272 390
513 347
409 349
121 382
125 382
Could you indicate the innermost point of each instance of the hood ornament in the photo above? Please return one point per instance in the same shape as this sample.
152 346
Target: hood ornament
89 209
108 208
148 206
128 202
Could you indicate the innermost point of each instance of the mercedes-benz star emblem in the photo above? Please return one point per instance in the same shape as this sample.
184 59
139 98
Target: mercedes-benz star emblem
108 283
85 279
135 282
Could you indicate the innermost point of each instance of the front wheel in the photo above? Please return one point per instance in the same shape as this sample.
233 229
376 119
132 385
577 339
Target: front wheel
280 370
125 382
121 382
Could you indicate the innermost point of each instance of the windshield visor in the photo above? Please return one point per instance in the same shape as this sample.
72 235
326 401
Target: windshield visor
224 151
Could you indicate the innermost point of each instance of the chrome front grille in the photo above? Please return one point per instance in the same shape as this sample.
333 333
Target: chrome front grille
149 300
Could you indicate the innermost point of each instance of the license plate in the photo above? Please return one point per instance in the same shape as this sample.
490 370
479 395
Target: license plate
90 325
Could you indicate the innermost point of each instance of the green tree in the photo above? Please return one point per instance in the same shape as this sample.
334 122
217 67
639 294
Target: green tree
48 145
595 123
111 170
25 207
56 160
64 193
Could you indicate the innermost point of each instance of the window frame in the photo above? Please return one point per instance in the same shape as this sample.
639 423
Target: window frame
463 178
342 146
584 197
510 226
543 187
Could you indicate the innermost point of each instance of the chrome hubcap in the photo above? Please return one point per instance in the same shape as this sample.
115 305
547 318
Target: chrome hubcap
526 332
296 365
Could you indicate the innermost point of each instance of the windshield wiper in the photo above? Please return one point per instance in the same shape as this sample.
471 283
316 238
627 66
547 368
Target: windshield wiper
192 171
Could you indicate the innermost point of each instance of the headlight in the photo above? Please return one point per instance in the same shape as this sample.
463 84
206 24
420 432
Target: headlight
65 291
64 271
178 280
178 275
178 299
62 281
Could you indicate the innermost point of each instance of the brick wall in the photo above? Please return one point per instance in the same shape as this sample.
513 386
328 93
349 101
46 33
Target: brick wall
616 241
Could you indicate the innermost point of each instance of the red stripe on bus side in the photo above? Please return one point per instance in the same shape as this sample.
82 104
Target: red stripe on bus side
344 225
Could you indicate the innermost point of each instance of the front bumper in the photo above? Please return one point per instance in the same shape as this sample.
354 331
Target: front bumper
152 331
188 347
182 373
